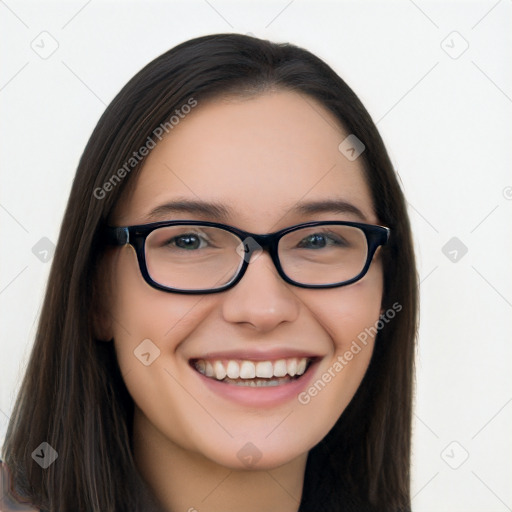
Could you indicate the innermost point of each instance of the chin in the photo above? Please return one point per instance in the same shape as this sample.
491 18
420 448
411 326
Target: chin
256 455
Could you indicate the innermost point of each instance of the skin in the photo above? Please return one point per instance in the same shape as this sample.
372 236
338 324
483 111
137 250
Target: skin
259 156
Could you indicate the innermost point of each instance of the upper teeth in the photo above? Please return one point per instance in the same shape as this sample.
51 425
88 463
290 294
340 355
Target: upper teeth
236 369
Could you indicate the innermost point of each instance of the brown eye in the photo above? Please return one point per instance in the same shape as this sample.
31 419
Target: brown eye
187 241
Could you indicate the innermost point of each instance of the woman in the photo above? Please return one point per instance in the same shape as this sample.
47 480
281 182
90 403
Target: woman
230 317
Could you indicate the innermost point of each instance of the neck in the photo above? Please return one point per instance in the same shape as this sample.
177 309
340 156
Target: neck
186 481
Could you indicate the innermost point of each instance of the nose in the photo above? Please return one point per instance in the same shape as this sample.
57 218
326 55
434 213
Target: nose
261 298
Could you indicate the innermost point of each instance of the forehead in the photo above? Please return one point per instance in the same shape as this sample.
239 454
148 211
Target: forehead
259 157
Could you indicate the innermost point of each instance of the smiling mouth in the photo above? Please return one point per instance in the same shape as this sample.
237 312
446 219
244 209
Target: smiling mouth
253 373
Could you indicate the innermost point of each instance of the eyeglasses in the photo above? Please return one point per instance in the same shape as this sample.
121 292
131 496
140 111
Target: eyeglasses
206 257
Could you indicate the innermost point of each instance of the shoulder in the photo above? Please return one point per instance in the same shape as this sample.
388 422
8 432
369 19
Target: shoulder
7 501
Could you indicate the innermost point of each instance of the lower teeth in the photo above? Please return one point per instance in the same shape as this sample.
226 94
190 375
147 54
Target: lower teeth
257 383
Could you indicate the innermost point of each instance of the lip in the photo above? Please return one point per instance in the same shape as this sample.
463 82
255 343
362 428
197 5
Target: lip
255 355
259 396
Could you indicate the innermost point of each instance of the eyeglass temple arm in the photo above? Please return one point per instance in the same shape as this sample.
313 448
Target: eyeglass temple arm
117 236
385 236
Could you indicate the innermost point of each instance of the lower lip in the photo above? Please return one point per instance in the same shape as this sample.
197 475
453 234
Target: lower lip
260 396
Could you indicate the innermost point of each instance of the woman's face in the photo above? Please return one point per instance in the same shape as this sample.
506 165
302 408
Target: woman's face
262 160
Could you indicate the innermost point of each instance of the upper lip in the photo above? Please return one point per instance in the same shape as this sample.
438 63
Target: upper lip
257 355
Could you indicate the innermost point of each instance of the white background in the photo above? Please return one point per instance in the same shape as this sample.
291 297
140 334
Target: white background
446 122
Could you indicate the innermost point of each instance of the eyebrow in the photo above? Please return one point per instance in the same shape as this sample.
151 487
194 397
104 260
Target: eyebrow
329 206
223 212
208 209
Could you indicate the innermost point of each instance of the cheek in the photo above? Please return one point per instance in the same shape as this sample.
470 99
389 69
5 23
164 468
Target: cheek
346 312
140 313
136 306
148 327
349 316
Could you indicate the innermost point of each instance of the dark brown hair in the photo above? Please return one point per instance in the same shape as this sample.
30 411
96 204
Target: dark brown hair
73 395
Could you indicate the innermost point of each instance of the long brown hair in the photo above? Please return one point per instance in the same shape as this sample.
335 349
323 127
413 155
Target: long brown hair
73 395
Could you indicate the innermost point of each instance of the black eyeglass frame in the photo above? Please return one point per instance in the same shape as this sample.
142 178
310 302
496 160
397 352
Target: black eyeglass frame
136 237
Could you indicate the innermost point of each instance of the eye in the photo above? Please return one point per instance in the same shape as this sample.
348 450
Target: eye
188 241
320 241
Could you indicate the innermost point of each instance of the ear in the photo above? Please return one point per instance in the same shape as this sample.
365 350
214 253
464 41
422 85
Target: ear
101 303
